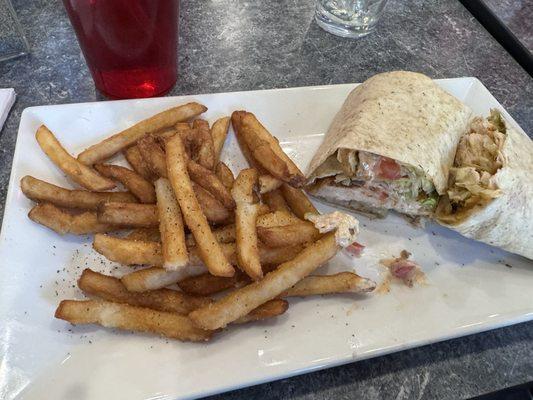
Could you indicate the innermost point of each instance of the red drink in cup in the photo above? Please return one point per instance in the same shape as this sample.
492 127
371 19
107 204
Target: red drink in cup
130 45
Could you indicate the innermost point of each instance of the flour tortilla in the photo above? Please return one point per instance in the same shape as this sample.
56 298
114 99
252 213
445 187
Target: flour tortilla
506 221
401 115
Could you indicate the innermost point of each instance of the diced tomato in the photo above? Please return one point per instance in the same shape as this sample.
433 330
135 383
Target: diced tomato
355 249
387 168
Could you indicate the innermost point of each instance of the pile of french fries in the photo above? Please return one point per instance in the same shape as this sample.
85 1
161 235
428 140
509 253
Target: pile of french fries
190 224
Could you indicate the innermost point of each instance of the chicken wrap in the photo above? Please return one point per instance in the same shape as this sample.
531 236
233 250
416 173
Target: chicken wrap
390 147
490 193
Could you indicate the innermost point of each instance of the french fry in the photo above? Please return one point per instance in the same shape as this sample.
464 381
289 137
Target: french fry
124 316
270 309
167 132
278 255
112 289
209 181
225 175
120 141
151 253
171 227
343 282
41 191
228 249
277 218
245 223
130 215
63 222
135 159
219 131
182 127
135 183
145 234
280 236
265 149
276 201
267 183
156 277
225 234
240 302
153 155
129 252
210 250
214 210
298 201
207 284
78 172
205 154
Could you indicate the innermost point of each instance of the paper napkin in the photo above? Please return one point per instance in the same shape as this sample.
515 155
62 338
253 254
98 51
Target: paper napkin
7 98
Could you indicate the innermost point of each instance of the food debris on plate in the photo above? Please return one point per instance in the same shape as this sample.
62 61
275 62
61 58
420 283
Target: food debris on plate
404 269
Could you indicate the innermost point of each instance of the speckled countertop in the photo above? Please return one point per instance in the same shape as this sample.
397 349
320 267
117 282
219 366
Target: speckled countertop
242 45
517 15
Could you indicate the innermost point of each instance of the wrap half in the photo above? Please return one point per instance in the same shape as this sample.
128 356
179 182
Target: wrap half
390 146
490 193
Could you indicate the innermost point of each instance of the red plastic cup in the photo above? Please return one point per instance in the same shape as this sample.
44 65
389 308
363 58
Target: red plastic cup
130 46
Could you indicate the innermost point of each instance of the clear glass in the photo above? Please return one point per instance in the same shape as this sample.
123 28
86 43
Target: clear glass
13 43
349 18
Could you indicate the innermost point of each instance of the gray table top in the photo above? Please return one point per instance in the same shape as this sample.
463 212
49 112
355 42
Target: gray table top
240 45
517 15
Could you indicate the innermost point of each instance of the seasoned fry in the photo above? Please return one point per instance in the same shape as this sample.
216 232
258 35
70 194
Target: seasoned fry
112 289
245 223
276 201
219 131
205 154
130 215
128 137
267 183
124 316
207 284
213 209
135 159
298 201
78 172
265 149
153 155
277 218
270 309
167 132
209 181
182 127
150 253
171 227
156 278
225 234
279 236
63 222
278 255
210 250
343 282
41 191
225 175
240 302
145 234
135 183
128 252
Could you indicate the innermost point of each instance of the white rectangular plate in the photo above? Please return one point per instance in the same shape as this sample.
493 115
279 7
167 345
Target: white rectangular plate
470 287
